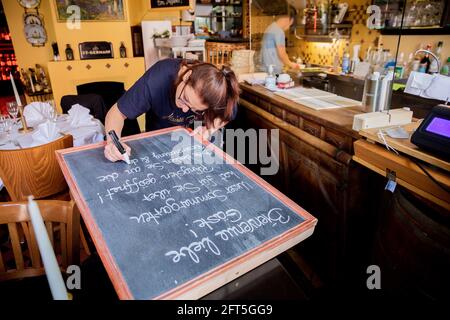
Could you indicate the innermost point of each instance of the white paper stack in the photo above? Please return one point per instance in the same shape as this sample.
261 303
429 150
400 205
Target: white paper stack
317 99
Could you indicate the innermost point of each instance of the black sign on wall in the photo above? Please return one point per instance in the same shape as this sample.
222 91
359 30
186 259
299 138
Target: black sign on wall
96 50
159 4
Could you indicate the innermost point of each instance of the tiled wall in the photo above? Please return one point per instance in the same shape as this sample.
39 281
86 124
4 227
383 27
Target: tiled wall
323 53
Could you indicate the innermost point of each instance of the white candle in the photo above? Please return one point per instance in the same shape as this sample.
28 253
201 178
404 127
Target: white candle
31 82
16 94
54 277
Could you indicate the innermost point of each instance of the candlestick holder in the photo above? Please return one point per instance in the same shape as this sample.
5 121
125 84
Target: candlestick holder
24 128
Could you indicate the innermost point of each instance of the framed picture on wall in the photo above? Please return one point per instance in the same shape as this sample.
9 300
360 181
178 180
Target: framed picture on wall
90 10
169 4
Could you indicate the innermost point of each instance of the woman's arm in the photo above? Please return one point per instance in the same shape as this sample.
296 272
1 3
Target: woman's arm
114 121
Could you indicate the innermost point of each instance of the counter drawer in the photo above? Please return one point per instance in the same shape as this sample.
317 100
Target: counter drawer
337 139
311 127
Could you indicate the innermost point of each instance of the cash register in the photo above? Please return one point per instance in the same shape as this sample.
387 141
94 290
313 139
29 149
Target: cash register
433 134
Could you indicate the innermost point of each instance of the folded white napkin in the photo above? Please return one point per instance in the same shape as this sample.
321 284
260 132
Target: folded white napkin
79 116
45 132
36 112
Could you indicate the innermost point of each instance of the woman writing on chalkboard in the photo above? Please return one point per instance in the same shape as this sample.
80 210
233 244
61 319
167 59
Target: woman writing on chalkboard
175 92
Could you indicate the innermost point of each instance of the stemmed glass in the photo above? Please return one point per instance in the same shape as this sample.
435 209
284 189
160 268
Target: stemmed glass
13 110
6 124
52 114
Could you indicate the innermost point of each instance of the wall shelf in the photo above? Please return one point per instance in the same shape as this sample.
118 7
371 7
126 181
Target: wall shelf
415 31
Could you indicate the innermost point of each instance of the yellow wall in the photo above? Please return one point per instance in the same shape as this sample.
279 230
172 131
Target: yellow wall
115 32
137 10
74 73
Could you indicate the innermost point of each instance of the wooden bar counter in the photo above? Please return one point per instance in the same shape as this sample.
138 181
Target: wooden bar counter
315 170
339 175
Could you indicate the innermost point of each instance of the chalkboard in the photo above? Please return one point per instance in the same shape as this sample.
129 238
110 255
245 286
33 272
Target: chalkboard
170 225
165 4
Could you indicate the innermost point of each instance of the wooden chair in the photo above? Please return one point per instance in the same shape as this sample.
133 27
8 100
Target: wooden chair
219 53
63 224
34 171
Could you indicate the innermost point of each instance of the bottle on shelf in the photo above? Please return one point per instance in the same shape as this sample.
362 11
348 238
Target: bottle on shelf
42 78
25 80
408 65
123 50
399 67
9 60
5 73
434 68
445 70
425 62
33 80
55 49
346 62
69 52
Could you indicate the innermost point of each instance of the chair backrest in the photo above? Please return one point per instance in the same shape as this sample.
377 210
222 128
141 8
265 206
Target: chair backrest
19 256
92 101
219 53
34 171
110 92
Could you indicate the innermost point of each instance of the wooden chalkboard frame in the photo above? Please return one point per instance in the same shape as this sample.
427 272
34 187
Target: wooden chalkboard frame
170 7
215 278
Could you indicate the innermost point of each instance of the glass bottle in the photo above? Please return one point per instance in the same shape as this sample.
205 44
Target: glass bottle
445 70
42 76
123 50
425 61
25 79
69 52
434 64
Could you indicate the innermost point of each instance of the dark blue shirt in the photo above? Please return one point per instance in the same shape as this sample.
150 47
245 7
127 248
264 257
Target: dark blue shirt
153 94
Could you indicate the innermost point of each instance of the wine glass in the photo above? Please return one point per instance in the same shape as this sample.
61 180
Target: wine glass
6 124
13 110
52 114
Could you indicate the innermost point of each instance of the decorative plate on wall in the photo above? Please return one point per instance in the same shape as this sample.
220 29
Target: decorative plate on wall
32 18
35 34
30 4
